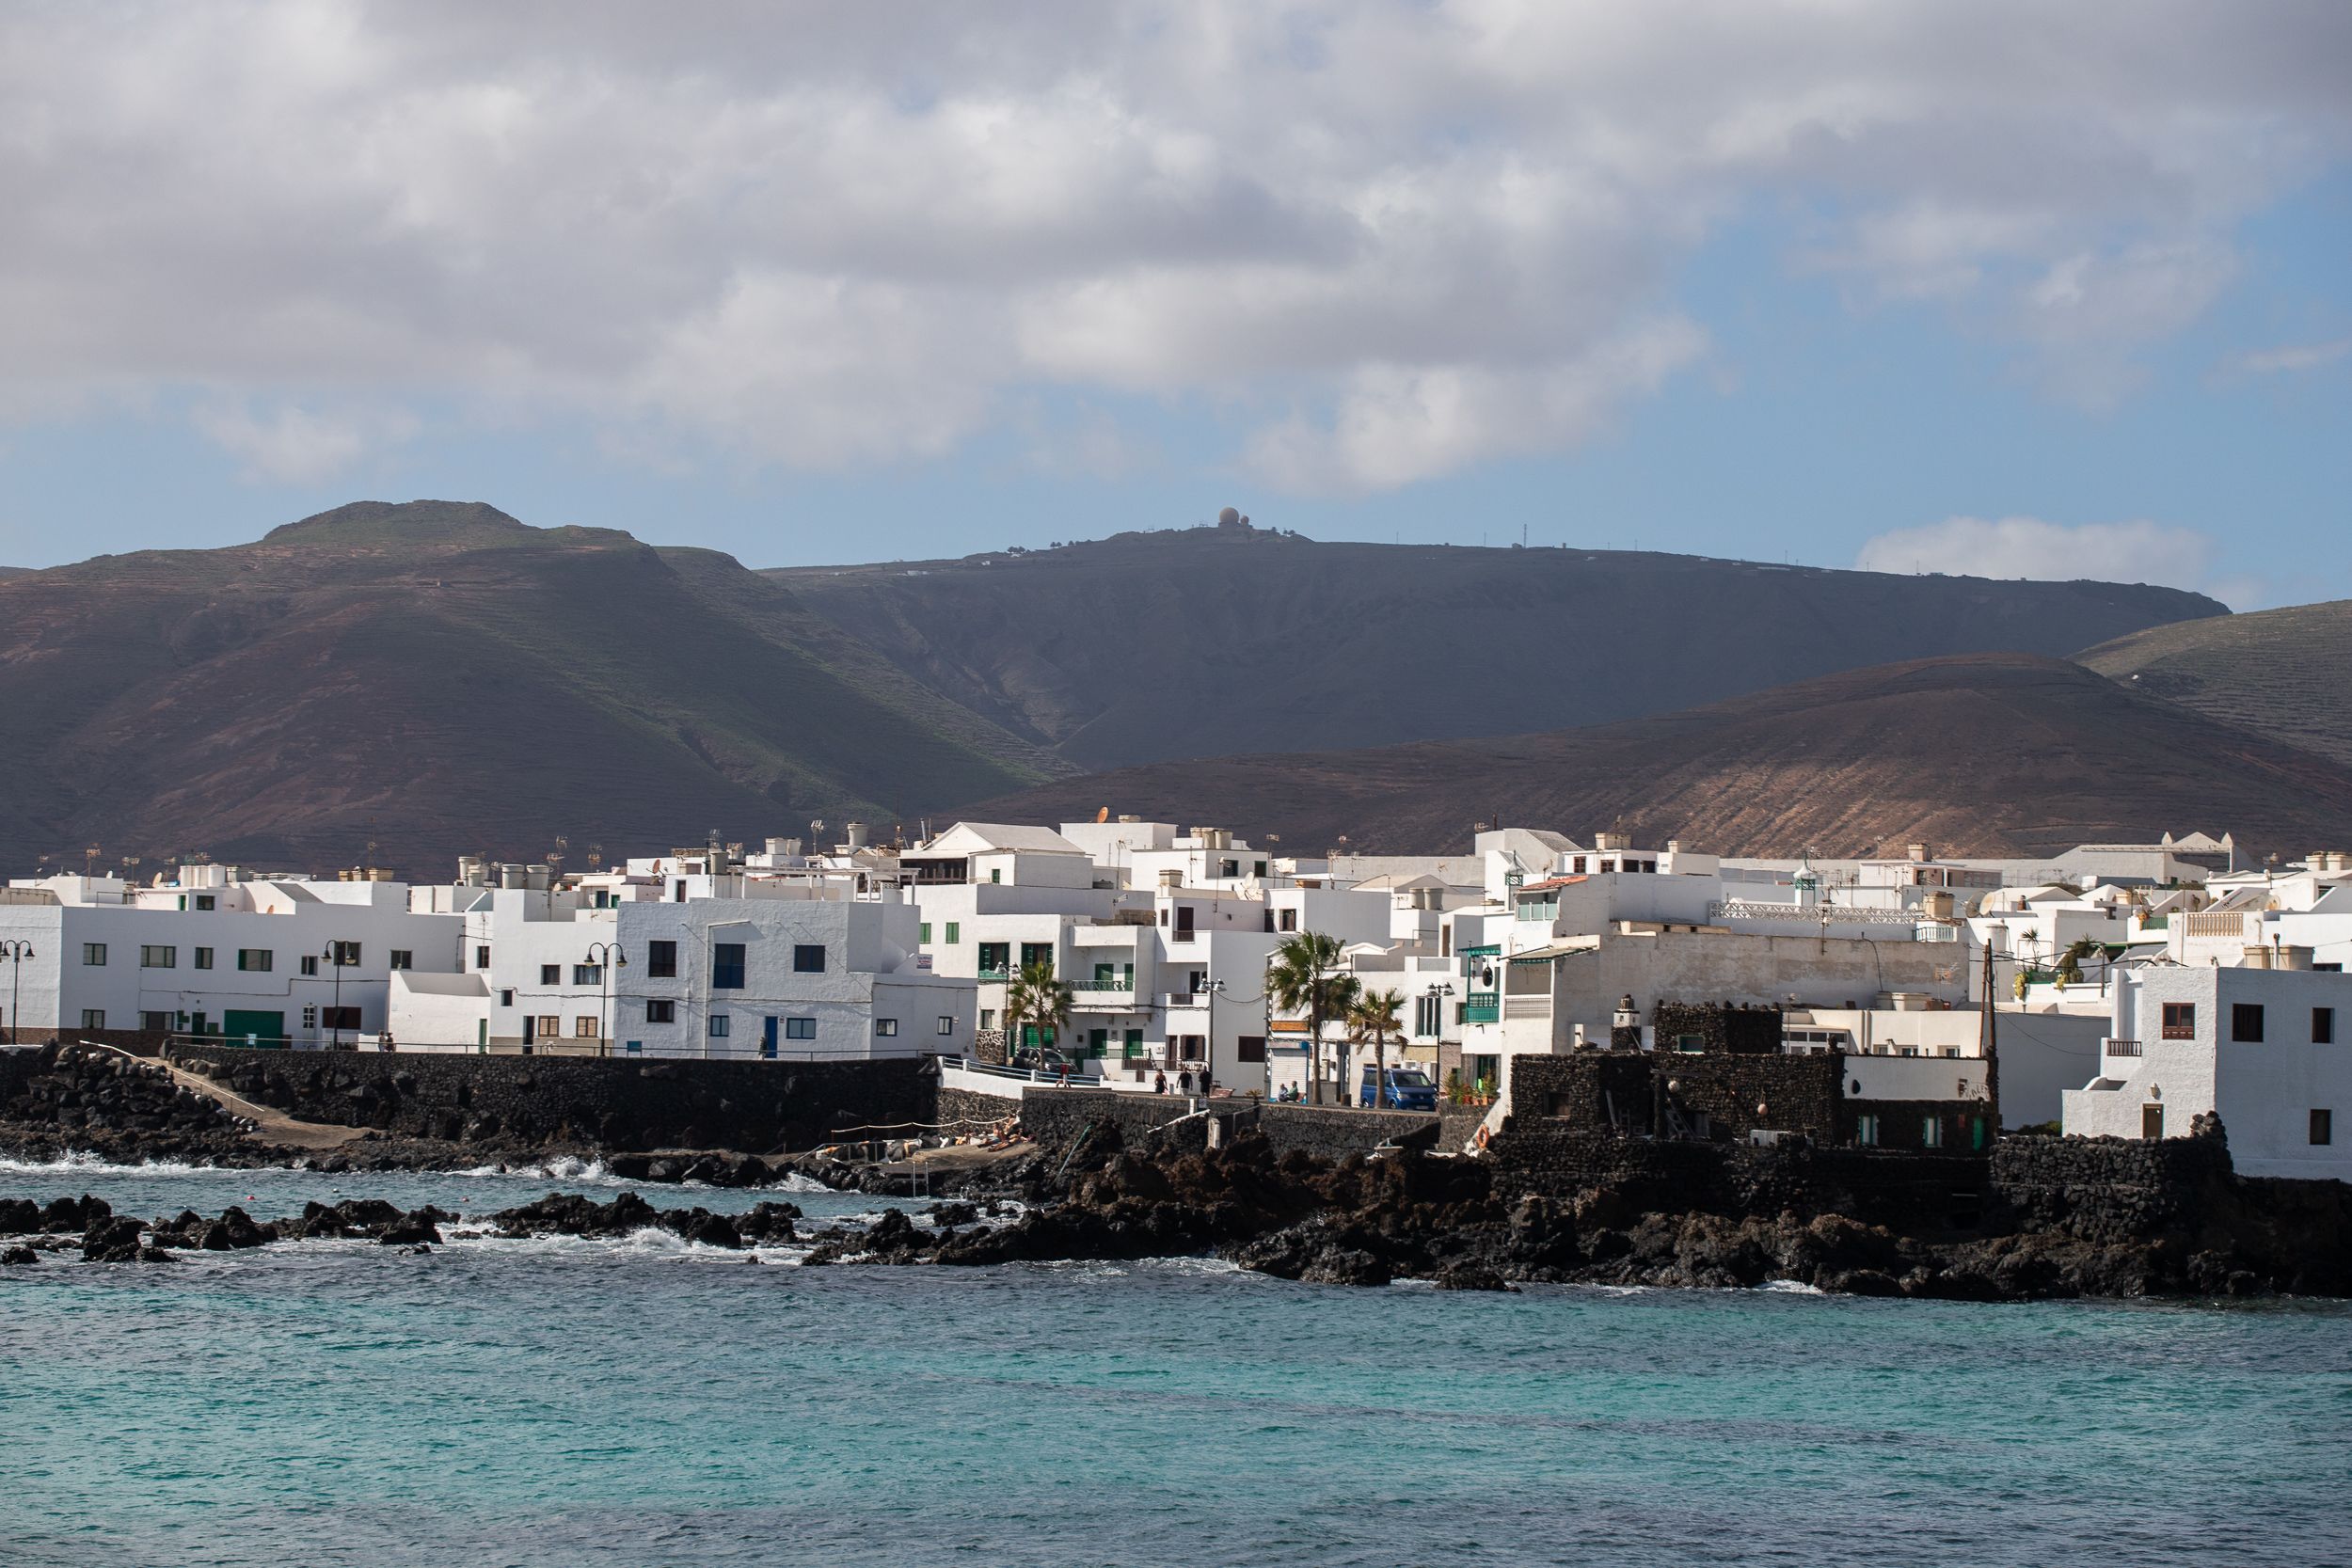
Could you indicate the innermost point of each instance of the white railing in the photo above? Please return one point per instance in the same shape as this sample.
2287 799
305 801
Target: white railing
1746 909
2119 1048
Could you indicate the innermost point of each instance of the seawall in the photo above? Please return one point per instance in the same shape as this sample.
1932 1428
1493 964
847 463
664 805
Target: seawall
624 1106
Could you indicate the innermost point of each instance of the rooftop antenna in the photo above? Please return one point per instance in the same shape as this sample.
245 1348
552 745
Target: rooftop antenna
89 861
595 857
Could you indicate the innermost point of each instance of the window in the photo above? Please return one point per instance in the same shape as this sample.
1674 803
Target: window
2180 1020
996 959
93 1018
584 1027
341 1017
808 958
587 975
718 1026
1932 1132
1866 1130
659 1011
155 1023
988 1018
955 932
203 958
800 1028
2323 1026
2246 1022
256 960
1692 1044
309 1018
310 963
726 966
343 955
661 960
947 1025
1257 868
885 1027
996 873
403 958
550 1026
2322 1127
506 997
923 934
1037 953
158 958
207 901
550 975
1250 1048
1286 920
482 956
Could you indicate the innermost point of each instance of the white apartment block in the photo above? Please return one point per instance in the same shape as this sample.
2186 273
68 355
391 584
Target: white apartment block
214 952
787 976
2262 1048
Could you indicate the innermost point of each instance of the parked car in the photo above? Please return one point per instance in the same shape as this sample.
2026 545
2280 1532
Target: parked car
1409 1089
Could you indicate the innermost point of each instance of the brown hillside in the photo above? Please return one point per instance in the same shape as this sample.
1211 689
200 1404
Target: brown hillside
1989 754
1206 641
442 678
2279 672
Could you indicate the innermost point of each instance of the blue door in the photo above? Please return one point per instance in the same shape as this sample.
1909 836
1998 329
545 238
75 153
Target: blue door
768 1039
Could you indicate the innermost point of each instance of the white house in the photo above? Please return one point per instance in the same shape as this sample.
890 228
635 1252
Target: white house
2263 1048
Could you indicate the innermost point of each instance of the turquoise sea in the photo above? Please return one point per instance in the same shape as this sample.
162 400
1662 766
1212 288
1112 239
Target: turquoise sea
639 1402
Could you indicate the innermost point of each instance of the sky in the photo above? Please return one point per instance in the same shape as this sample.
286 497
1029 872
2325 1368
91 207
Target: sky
2002 288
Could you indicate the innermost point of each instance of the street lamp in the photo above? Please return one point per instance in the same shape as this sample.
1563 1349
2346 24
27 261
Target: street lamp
606 957
333 953
1436 991
16 950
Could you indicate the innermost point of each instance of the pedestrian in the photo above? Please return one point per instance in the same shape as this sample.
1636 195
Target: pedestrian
1159 1082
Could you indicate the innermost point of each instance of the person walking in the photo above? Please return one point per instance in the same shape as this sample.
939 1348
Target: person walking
1159 1082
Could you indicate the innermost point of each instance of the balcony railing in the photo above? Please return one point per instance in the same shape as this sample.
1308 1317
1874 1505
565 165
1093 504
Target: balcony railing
988 974
2121 1048
1482 1007
1127 983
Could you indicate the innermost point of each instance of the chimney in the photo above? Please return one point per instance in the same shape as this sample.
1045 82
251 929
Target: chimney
1917 851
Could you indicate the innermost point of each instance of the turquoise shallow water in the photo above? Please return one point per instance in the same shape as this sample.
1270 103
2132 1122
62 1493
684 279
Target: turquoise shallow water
636 1402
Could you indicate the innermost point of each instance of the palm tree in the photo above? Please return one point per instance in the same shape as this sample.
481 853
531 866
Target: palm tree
1036 997
1374 1018
2070 965
1306 977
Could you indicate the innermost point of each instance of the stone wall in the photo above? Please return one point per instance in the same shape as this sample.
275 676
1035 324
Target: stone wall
2109 1189
753 1107
1631 1092
1054 1118
1744 1031
969 1110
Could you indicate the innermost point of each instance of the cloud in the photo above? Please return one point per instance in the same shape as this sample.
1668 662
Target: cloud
300 446
2292 357
2135 551
1380 242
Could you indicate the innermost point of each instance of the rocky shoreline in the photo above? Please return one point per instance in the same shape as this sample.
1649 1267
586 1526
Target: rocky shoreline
1357 1221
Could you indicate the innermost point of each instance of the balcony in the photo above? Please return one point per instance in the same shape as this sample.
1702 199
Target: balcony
1127 984
2119 1048
994 975
1482 1007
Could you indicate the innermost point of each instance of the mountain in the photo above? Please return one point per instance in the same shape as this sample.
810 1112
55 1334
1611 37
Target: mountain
1192 642
2277 671
442 678
1982 754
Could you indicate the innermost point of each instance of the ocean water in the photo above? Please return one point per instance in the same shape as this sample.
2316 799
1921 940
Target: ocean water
640 1403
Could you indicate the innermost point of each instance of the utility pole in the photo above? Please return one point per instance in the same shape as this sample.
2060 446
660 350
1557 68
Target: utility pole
1988 1046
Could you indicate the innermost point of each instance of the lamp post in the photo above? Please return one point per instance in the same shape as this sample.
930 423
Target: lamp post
16 950
333 953
606 957
1437 989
